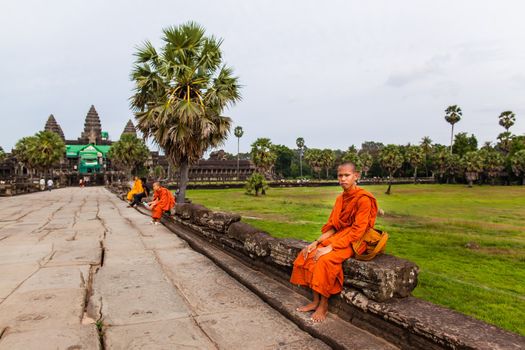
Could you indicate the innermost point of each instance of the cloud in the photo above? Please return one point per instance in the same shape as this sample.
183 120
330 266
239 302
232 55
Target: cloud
432 67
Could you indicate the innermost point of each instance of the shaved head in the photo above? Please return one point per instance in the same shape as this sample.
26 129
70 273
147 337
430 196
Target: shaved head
350 165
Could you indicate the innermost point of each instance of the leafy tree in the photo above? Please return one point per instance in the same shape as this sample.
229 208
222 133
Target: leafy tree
283 161
263 155
507 119
391 159
505 142
373 148
453 115
256 182
328 159
441 161
49 151
493 163
464 144
26 152
238 132
351 155
415 157
365 162
128 153
180 94
159 173
314 158
426 146
300 145
517 162
472 165
453 166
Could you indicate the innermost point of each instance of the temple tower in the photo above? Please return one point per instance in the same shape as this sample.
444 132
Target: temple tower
92 128
129 129
52 125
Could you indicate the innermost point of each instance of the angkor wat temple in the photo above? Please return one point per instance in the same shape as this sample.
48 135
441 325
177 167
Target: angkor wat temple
86 157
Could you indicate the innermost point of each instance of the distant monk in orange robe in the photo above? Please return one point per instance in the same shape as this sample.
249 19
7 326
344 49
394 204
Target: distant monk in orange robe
319 265
136 189
163 200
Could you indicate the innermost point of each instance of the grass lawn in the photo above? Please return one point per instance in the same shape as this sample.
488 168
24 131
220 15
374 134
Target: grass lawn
428 224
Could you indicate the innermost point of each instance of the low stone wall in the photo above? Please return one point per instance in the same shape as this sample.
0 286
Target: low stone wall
13 189
376 295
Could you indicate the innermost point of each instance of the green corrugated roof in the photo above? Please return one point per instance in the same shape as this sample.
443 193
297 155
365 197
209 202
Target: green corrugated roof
73 151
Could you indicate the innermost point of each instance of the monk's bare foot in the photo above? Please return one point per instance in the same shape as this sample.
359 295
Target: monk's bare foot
308 307
320 313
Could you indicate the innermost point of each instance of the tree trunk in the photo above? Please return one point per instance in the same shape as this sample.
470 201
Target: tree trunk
184 170
469 183
301 162
451 138
523 180
415 174
389 186
327 173
238 140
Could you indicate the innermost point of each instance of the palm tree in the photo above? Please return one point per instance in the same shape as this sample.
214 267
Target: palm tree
314 157
238 134
365 161
25 153
472 165
180 94
50 150
507 119
452 116
391 159
300 144
426 146
517 162
128 153
493 163
263 155
351 156
328 159
415 156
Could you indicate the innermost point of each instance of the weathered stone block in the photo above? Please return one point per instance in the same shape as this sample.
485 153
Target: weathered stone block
255 241
284 251
199 215
218 221
187 211
383 277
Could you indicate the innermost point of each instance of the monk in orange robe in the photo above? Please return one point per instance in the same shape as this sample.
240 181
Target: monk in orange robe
163 200
319 265
136 189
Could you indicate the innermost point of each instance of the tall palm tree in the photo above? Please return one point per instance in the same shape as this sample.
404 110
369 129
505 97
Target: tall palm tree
300 144
180 94
453 115
128 153
238 134
507 119
391 159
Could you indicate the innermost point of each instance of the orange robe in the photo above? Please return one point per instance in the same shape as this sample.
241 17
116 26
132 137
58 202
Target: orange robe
354 212
166 201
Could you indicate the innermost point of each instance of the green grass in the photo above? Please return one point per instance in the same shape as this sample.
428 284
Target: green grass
428 224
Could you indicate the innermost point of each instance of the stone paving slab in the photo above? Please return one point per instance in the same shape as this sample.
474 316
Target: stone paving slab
69 338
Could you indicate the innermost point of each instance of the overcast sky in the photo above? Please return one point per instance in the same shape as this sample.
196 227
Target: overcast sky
336 72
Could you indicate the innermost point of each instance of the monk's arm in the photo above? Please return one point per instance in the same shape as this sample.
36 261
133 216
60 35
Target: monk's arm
358 228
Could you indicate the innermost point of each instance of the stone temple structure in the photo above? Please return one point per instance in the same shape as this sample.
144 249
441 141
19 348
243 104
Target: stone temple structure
86 157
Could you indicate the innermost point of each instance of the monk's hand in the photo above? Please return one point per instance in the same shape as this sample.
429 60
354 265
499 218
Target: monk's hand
322 251
309 248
